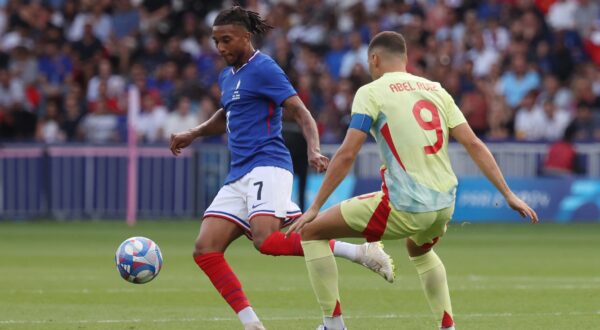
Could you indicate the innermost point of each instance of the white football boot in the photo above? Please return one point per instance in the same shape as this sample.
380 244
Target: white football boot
372 256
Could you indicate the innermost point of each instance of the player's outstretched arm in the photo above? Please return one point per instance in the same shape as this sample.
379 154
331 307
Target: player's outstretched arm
482 156
340 165
217 124
302 116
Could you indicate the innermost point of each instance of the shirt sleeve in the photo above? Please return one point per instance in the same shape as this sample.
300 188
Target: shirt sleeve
453 113
364 103
275 83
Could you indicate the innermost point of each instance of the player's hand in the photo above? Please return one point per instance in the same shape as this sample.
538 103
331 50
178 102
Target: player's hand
520 206
180 141
318 161
307 217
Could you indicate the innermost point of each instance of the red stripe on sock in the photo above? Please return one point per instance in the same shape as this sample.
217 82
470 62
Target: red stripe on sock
447 320
224 279
332 244
337 311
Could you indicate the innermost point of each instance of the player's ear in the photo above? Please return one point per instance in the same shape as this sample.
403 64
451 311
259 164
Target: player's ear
375 59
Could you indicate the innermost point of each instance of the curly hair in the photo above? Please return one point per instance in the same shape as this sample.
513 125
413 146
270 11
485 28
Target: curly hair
246 18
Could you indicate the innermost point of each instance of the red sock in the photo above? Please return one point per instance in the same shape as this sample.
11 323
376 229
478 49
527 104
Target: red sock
278 245
224 279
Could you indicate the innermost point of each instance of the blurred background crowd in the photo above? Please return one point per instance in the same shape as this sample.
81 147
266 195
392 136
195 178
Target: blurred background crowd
518 69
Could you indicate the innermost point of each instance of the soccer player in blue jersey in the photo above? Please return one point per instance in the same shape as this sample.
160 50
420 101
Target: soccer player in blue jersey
256 197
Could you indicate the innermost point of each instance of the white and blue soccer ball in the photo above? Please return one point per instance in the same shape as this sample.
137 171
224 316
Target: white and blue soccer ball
138 260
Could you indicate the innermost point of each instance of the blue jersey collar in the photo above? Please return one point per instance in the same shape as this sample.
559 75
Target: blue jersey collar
250 59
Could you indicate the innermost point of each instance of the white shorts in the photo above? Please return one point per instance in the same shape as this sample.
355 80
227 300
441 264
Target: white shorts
266 190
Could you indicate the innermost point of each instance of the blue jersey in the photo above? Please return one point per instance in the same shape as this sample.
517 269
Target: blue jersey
252 98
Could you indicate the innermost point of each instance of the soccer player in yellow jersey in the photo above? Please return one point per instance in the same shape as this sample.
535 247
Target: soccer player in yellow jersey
411 118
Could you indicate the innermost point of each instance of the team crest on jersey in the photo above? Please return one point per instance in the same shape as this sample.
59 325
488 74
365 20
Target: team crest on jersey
236 92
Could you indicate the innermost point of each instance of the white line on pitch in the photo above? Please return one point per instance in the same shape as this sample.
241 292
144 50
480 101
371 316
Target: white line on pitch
291 318
477 285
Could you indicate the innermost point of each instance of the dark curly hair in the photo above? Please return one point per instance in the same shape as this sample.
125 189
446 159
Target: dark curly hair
246 18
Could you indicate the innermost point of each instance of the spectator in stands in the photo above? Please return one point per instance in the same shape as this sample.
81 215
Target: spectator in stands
151 55
530 120
54 63
19 36
498 122
190 31
176 54
284 56
151 119
99 127
88 46
334 57
72 118
475 108
356 55
20 124
111 103
92 15
517 82
587 123
23 65
565 53
144 82
555 92
166 78
555 121
180 120
561 159
49 126
495 35
12 91
483 57
115 84
189 86
583 91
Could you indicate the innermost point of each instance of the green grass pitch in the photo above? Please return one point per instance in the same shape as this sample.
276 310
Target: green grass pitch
62 276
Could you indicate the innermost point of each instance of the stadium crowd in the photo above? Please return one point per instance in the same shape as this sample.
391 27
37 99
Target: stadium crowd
518 69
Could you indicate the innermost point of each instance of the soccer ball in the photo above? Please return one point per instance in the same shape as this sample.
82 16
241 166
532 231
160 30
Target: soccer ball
138 260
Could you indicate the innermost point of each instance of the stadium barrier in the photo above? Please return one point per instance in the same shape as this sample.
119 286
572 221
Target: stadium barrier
77 181
83 181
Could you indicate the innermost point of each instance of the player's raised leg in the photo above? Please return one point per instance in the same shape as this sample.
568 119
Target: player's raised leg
269 192
276 243
214 238
433 280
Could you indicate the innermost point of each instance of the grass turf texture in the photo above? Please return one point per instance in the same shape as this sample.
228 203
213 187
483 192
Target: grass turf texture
62 276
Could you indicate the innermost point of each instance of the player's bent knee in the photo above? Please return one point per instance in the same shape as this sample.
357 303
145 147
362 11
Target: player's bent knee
258 241
415 250
201 248
308 233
